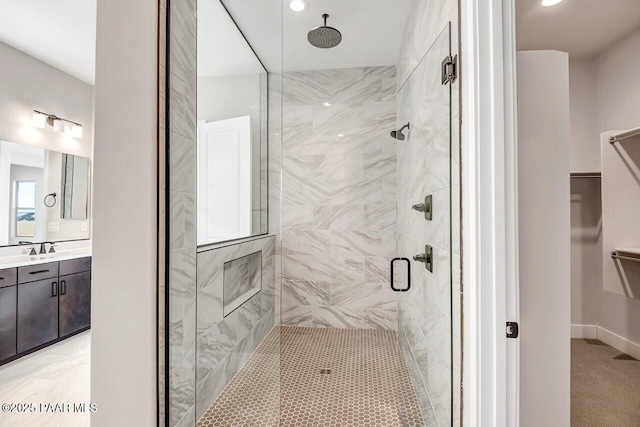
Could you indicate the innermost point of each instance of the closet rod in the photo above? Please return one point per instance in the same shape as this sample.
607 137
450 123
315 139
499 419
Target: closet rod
624 135
625 255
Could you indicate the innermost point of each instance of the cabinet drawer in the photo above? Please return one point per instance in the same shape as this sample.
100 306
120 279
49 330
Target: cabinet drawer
31 273
8 277
76 265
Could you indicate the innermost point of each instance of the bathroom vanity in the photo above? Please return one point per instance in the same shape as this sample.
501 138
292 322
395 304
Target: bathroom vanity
43 300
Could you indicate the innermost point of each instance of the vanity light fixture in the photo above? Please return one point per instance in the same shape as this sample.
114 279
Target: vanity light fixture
40 120
298 5
548 3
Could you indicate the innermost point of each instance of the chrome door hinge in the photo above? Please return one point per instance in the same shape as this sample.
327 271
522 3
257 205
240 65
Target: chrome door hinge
512 330
449 69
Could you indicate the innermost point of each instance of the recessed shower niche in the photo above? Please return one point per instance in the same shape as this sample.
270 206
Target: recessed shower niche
241 279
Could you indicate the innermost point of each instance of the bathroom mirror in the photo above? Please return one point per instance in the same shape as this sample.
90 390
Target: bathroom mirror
44 195
232 130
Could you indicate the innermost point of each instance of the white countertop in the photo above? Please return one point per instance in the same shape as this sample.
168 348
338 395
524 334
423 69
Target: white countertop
22 260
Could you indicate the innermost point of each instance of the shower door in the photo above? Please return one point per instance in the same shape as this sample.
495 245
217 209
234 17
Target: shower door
353 351
425 166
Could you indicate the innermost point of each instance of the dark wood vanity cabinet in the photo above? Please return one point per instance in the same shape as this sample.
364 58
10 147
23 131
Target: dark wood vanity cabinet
37 313
41 304
75 303
8 300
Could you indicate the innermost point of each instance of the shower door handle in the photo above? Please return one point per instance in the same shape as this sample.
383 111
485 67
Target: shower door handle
392 275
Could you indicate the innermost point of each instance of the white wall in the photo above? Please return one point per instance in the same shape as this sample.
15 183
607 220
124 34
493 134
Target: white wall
123 318
585 137
29 84
617 106
543 174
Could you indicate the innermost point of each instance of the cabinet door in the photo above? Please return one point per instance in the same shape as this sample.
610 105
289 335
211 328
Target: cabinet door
75 302
8 298
37 313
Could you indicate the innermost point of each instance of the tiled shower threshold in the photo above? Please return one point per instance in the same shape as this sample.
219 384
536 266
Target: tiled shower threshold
303 376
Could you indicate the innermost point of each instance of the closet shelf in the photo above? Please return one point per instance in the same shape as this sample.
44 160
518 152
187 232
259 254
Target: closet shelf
596 175
624 135
627 254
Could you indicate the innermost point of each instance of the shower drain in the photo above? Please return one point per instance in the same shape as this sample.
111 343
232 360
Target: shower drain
325 371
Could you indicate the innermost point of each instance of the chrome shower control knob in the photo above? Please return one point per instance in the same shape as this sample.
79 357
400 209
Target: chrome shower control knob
426 258
425 207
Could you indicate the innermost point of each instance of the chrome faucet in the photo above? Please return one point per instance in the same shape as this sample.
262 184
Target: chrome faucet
43 248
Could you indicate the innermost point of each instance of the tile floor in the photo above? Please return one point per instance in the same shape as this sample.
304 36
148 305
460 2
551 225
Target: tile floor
320 377
56 374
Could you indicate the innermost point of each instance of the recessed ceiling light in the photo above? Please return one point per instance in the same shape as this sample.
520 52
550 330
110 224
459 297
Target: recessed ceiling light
550 2
326 104
298 5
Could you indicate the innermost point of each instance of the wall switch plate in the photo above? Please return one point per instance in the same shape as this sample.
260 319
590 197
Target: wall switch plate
54 226
84 226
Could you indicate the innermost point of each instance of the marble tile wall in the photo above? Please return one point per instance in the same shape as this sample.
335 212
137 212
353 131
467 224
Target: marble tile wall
224 343
180 188
428 312
338 198
201 362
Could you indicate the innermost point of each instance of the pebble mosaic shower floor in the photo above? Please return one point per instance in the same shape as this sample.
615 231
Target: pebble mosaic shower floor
320 377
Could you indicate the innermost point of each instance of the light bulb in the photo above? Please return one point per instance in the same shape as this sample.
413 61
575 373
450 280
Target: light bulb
548 3
76 131
298 5
39 120
58 125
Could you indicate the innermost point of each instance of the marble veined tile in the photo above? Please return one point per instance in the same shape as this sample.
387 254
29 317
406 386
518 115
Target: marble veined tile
377 269
299 167
334 317
302 88
307 191
182 161
376 318
368 88
338 217
380 166
385 71
337 116
358 191
356 243
214 344
379 217
306 242
381 114
356 294
305 293
297 315
333 167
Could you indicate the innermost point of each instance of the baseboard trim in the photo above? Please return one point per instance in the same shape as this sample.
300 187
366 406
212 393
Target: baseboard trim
589 332
616 341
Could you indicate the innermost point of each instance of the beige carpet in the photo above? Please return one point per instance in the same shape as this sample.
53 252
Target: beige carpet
605 386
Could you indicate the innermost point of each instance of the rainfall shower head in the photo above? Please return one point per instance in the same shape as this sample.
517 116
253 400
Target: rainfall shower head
324 37
397 134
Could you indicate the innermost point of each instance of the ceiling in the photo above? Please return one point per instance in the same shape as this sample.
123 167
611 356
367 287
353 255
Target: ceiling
371 30
583 28
61 33
222 50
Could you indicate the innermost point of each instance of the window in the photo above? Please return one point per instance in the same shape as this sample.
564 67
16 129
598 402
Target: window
25 208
